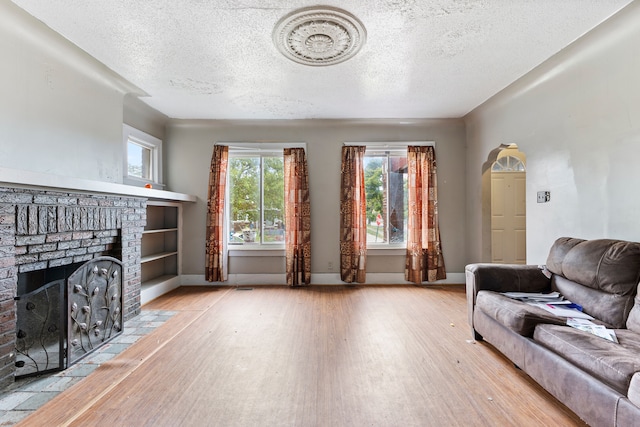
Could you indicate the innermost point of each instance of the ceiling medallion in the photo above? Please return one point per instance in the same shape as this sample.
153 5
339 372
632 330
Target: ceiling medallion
319 35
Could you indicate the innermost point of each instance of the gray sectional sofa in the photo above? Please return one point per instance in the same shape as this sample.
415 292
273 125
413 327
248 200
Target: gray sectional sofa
596 378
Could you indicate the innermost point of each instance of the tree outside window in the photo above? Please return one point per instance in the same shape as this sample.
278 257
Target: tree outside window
256 202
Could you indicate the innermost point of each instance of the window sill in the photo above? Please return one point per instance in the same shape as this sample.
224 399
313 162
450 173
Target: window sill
262 251
140 182
386 251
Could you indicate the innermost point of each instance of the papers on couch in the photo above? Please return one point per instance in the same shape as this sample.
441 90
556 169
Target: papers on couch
592 328
552 302
563 309
535 296
556 304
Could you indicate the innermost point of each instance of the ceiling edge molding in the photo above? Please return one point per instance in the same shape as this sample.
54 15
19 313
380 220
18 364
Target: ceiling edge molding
304 123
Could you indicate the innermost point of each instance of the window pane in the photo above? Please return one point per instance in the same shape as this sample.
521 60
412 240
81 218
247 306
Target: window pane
386 191
508 164
375 183
139 160
244 199
273 200
397 198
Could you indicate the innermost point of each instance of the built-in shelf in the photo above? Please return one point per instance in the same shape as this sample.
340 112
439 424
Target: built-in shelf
157 256
162 230
160 258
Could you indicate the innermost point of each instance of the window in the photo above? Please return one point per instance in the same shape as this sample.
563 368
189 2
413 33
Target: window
256 198
385 175
143 158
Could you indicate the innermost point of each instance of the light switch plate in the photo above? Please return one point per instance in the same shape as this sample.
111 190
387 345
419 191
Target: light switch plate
544 196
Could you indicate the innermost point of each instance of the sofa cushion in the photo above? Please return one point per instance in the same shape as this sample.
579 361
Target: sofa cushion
559 251
606 307
518 316
601 275
614 364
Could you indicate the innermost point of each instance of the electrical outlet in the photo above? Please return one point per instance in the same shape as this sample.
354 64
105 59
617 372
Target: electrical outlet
544 196
330 266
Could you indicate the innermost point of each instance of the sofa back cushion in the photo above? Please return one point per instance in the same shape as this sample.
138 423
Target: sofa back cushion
601 275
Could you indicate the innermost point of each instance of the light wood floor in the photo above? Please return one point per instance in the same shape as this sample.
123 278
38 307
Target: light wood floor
317 356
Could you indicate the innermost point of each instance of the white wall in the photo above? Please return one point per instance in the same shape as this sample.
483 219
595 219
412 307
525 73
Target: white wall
61 111
577 118
190 146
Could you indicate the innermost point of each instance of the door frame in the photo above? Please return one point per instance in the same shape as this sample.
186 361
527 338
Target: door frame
486 198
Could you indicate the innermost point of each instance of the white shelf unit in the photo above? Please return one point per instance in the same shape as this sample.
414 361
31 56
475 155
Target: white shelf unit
161 249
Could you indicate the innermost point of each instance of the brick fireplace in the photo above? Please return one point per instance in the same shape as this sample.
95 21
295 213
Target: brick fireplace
42 229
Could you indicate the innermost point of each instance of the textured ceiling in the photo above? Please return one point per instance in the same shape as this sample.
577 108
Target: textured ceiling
215 59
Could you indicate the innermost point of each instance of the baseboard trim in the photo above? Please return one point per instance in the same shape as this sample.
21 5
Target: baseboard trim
316 279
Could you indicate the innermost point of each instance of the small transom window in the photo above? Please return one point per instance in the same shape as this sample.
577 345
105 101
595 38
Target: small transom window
508 164
143 158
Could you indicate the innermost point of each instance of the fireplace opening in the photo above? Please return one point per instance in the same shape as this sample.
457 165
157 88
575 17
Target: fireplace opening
65 313
32 280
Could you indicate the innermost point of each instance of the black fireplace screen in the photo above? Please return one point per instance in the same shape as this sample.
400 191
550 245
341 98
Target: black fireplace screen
62 321
39 332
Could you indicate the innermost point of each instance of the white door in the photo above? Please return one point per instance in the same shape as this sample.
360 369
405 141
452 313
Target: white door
508 217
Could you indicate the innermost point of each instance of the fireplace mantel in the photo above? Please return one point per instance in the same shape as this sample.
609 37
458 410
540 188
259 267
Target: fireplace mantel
28 179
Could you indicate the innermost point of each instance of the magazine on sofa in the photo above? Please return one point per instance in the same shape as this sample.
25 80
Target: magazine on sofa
552 302
556 304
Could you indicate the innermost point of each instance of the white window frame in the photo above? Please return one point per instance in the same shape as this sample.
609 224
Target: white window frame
252 149
143 139
391 147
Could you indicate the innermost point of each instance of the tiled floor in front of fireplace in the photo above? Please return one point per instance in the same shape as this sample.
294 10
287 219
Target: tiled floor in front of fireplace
26 395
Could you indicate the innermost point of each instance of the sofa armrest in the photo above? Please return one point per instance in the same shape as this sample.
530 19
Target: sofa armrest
502 278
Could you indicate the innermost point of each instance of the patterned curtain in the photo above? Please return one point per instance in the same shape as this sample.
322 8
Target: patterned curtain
353 216
424 250
297 209
215 215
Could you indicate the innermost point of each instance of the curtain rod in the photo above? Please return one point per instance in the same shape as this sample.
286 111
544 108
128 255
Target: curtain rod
393 144
263 145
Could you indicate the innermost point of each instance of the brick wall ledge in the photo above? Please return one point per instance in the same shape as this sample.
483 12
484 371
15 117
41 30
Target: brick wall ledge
29 179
